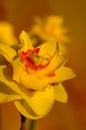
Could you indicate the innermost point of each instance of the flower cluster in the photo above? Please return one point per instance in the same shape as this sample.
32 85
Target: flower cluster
31 76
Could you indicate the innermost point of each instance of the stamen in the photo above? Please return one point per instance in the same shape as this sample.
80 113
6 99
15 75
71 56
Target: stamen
29 62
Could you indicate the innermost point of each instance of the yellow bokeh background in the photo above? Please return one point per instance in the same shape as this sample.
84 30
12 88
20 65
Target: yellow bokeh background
72 115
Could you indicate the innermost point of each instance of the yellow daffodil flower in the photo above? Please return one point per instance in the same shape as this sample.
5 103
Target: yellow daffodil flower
50 28
32 77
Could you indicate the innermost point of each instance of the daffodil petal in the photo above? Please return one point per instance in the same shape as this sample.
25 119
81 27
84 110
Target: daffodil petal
8 89
7 52
60 93
6 78
21 76
25 41
2 60
55 63
61 74
64 73
9 97
26 110
17 69
48 49
40 102
32 81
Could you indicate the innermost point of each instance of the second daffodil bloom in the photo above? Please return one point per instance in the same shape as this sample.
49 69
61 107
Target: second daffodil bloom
50 28
32 77
7 34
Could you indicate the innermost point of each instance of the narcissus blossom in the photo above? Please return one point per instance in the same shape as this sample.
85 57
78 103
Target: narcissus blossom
32 77
50 28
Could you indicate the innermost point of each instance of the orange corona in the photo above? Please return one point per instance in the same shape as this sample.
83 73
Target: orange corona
24 56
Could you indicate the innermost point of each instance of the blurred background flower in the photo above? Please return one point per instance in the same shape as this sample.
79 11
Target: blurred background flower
7 34
50 28
70 116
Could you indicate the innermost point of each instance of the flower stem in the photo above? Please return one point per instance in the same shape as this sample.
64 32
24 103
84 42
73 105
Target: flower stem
23 119
32 125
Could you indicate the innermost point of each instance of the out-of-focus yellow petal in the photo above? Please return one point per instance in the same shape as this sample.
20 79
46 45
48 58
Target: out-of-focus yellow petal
50 29
61 74
53 20
7 52
40 102
25 41
60 93
9 90
54 29
7 34
55 63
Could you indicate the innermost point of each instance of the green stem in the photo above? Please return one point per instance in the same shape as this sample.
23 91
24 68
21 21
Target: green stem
23 119
32 125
